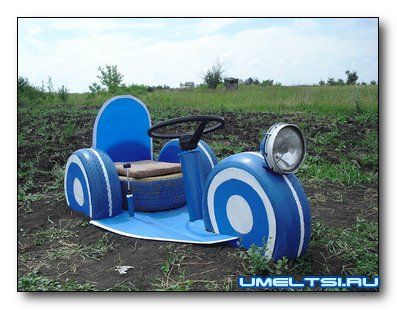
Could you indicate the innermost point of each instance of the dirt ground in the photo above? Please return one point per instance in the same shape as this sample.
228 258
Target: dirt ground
89 254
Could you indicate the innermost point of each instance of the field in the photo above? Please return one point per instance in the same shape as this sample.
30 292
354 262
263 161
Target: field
59 250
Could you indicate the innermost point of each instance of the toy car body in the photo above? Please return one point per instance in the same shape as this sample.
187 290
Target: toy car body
186 195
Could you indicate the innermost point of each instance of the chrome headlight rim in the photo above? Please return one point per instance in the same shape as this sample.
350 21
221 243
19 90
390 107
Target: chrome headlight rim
268 143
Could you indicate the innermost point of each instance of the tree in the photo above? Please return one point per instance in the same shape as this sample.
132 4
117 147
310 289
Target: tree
63 93
42 87
214 75
268 82
28 93
251 81
321 83
23 84
352 77
50 86
331 82
109 77
373 82
340 82
95 88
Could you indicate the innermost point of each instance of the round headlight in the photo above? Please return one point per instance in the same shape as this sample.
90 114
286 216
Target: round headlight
284 148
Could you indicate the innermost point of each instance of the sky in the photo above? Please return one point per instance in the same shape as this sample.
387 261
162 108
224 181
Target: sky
160 51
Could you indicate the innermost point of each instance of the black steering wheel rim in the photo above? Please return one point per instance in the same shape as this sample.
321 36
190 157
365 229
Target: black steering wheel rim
186 119
188 140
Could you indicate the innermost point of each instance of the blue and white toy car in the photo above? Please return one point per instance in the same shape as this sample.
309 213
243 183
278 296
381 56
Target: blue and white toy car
186 195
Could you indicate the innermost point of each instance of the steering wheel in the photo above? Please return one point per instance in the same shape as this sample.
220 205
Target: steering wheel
188 140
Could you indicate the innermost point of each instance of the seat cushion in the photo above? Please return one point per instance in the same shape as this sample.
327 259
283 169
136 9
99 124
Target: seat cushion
148 168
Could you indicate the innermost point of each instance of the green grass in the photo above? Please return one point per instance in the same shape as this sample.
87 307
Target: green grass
33 282
224 286
68 132
323 99
356 245
341 156
346 172
256 263
178 283
94 250
277 99
123 287
173 279
52 234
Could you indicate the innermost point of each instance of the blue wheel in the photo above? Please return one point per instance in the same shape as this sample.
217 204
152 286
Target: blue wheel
242 198
170 153
92 185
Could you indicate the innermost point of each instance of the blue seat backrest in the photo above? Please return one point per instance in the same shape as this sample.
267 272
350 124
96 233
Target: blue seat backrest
121 127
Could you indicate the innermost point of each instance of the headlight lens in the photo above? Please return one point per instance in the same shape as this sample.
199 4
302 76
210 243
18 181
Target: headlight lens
284 148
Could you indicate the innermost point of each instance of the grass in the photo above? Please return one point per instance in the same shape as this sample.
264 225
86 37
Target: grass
225 286
34 282
341 155
52 234
279 99
256 263
178 283
170 282
276 99
346 172
357 245
94 250
123 287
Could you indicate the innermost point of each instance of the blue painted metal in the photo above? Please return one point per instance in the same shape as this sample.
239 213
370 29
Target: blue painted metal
305 208
131 206
193 181
99 181
74 172
278 225
120 129
171 150
172 225
263 152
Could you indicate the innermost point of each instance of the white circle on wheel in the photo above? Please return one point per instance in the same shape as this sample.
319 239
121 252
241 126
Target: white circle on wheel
239 214
78 192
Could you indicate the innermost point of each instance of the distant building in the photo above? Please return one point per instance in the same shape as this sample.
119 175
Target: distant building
231 83
186 85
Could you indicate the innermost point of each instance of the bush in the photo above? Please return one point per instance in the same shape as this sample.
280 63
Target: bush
331 82
352 77
63 93
357 102
151 89
95 88
340 82
268 83
28 93
253 81
214 76
110 78
133 89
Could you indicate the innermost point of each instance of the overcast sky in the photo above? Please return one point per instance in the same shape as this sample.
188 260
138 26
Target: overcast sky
170 51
